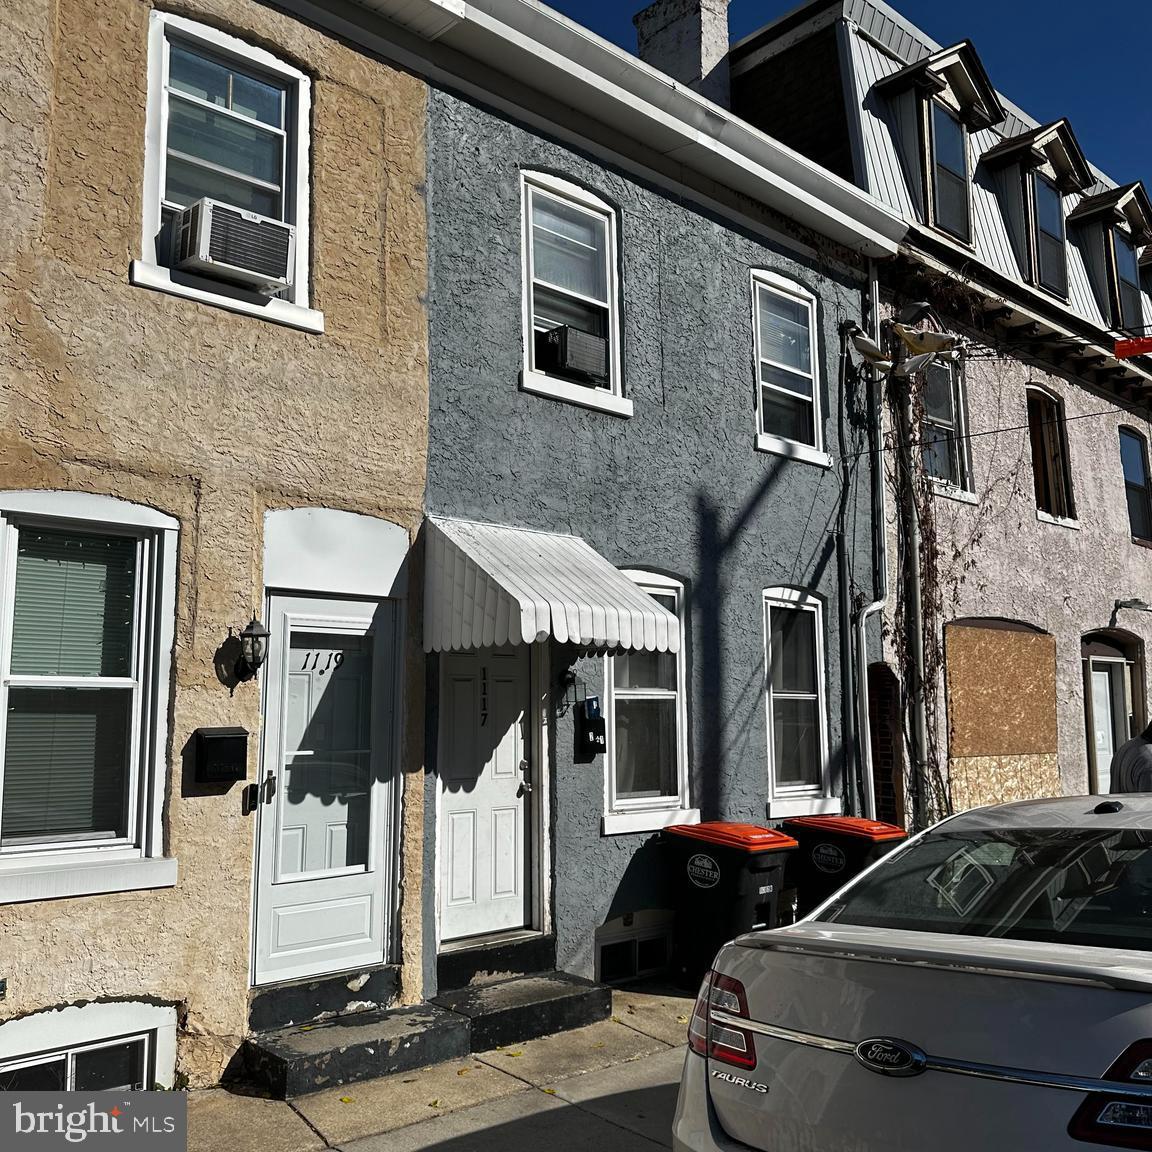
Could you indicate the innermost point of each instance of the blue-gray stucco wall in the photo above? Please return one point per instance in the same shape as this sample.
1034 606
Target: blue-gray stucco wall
679 487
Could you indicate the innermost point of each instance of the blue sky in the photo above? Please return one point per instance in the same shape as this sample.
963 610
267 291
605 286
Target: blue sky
1089 61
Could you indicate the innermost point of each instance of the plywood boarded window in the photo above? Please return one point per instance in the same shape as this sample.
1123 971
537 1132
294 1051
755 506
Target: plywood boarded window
1002 740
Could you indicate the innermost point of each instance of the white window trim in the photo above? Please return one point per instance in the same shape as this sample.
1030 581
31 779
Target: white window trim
148 272
766 441
60 1030
1059 521
55 870
650 813
951 492
612 398
807 800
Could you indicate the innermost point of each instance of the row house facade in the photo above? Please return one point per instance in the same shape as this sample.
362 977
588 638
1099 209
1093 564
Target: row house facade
1017 464
432 465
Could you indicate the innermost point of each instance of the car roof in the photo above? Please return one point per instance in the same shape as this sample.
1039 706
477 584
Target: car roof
1135 811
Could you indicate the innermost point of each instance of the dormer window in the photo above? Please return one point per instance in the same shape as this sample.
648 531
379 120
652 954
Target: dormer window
1129 313
951 209
1051 260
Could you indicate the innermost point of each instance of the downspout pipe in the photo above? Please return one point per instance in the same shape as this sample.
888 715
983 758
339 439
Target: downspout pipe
879 557
843 580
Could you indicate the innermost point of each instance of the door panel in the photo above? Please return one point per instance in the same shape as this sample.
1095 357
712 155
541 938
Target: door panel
484 802
324 843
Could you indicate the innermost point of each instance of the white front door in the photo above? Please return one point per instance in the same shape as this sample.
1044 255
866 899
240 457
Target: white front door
485 785
1109 717
324 843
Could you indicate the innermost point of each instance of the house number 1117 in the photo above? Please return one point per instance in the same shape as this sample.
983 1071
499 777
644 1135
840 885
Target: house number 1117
335 659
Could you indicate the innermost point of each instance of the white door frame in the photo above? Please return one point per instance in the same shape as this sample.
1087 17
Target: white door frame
539 858
388 695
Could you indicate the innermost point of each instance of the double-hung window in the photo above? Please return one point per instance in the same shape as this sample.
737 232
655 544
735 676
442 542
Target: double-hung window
85 641
951 209
646 714
1130 314
1051 254
943 432
796 702
786 351
572 312
227 121
1134 461
1050 469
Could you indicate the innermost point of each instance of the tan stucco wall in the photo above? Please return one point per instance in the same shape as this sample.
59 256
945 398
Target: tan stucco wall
212 417
1000 559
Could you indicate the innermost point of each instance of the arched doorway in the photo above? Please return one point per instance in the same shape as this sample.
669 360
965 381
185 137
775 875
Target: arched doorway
1114 707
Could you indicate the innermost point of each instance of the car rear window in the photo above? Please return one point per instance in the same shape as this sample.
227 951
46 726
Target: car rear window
1072 886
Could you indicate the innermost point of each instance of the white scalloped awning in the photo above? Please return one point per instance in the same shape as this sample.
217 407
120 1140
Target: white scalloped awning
485 584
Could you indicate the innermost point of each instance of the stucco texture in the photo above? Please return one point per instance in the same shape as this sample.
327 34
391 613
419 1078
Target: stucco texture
999 558
209 416
678 487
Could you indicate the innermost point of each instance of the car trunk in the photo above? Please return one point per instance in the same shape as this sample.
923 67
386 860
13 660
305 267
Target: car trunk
1045 1008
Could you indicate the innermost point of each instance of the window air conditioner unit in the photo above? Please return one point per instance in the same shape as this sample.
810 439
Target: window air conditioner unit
571 352
236 245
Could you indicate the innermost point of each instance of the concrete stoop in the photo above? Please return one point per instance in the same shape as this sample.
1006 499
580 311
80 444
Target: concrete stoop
301 1059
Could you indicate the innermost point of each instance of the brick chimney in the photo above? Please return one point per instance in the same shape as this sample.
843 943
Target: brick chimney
687 39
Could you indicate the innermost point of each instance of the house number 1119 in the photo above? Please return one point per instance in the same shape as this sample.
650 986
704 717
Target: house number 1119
335 659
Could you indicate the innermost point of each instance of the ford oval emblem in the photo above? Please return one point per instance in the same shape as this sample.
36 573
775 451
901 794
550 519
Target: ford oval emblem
891 1057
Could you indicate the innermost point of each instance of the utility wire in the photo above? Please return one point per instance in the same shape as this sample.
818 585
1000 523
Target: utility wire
889 447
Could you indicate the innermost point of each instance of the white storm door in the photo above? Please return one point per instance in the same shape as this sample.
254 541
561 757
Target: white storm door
484 792
324 843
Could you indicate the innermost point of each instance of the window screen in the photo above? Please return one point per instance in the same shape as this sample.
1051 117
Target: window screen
227 134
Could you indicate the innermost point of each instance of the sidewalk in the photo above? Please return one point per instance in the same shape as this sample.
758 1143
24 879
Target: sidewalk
610 1085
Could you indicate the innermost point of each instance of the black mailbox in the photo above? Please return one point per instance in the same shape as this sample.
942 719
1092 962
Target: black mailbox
221 755
591 731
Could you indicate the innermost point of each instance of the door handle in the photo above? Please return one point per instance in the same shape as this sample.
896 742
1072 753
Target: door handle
268 788
525 785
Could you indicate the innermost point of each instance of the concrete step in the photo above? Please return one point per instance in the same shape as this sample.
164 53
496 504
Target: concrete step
499 960
295 1061
276 1006
511 1011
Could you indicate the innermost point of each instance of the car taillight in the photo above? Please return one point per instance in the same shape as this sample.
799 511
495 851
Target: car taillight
719 1041
1119 1121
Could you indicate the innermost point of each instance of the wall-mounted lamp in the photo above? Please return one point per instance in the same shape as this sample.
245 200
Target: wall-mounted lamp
253 650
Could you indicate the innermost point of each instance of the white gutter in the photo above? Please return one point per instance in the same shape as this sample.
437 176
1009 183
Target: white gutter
538 47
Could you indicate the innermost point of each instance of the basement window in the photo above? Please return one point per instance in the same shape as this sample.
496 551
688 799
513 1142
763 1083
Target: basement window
122 1065
1050 471
951 208
571 296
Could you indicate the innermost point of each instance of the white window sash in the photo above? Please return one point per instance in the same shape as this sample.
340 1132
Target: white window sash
68 1055
776 285
153 636
651 583
572 195
792 599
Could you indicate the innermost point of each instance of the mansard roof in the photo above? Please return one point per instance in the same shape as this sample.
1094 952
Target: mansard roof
958 69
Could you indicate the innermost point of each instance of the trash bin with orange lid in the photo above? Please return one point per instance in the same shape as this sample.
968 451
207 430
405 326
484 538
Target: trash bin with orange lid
726 880
834 849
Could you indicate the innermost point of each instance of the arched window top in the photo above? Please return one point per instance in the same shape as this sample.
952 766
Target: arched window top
85 506
1110 643
997 624
1035 388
